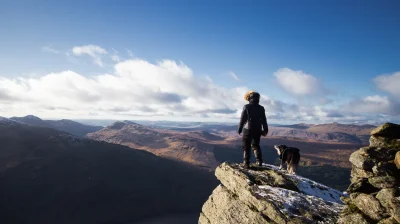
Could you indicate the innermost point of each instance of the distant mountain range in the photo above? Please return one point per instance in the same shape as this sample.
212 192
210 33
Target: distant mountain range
194 147
208 144
50 176
333 132
69 126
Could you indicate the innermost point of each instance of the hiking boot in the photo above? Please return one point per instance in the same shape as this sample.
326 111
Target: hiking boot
259 163
246 165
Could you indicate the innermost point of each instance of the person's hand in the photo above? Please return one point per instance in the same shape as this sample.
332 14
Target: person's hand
264 133
240 131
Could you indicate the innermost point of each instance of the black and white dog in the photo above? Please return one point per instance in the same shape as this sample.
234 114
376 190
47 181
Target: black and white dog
290 156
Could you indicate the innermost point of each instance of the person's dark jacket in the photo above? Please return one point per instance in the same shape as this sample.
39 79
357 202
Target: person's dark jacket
253 117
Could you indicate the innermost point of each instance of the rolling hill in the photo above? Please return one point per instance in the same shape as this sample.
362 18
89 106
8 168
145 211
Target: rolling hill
194 147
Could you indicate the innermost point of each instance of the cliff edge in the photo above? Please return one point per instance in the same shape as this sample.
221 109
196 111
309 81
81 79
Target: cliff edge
268 195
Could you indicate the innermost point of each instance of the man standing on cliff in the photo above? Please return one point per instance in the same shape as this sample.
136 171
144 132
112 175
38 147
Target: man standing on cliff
253 123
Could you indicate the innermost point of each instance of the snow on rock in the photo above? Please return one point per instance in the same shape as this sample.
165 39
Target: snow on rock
268 195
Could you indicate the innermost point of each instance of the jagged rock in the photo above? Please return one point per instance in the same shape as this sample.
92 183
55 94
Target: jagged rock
382 181
379 153
384 169
360 173
389 130
385 197
375 179
378 141
353 218
370 206
361 161
268 195
361 185
395 212
397 160
224 207
390 220
354 195
345 200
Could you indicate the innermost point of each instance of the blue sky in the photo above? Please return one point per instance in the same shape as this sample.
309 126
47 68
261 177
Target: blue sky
333 51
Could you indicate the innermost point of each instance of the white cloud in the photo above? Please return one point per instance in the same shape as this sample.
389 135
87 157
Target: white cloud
93 51
137 87
234 76
167 90
298 83
376 105
50 49
389 83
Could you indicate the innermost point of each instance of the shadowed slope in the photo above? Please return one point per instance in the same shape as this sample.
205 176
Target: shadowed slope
48 176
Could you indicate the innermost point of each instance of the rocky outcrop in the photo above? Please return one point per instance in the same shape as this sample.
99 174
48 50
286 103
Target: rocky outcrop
375 177
267 195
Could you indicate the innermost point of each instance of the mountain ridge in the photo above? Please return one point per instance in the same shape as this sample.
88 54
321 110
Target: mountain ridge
69 126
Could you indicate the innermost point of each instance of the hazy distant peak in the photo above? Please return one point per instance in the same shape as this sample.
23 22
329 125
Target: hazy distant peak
131 122
121 124
31 120
117 125
32 117
28 117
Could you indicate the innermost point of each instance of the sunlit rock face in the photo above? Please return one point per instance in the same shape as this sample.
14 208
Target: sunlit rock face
267 195
375 177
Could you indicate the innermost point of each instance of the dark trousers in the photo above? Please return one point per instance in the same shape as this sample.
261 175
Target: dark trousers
251 139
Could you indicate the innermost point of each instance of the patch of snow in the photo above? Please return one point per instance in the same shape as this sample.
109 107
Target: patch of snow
292 202
310 187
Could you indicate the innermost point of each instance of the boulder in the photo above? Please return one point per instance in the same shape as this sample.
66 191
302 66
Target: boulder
379 153
388 130
267 195
397 160
361 185
385 197
378 141
353 218
361 161
382 181
390 220
345 200
360 173
395 211
370 206
384 169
